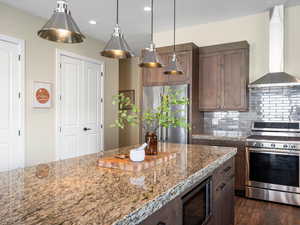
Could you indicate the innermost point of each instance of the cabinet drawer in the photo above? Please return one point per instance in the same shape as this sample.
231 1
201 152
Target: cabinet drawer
167 215
224 172
219 188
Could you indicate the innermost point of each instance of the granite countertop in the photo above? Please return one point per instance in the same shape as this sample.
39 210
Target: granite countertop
76 191
222 135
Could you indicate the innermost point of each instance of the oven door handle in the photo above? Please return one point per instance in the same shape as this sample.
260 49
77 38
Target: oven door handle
268 151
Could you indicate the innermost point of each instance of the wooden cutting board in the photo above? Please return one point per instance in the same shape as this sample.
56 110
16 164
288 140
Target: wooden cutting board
128 165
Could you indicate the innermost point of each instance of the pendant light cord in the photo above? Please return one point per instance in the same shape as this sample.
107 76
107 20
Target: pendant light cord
174 27
151 21
118 12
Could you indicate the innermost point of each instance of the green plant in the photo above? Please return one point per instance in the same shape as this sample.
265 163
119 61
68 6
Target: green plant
125 116
163 115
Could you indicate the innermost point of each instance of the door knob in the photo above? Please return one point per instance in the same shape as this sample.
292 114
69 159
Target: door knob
86 129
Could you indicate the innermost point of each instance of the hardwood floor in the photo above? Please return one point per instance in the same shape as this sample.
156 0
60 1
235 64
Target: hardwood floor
252 212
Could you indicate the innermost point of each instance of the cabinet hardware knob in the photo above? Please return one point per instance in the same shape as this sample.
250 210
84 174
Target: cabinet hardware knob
221 187
227 169
161 223
86 129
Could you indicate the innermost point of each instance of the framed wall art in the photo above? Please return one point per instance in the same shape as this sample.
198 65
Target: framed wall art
131 95
42 94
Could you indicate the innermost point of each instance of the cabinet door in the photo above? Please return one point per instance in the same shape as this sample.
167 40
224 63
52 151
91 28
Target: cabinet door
185 61
224 203
235 80
228 203
209 86
240 171
155 76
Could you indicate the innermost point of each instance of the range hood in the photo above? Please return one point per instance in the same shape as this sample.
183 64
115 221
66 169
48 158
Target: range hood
277 76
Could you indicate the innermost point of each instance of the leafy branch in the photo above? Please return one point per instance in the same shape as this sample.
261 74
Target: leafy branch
165 115
125 116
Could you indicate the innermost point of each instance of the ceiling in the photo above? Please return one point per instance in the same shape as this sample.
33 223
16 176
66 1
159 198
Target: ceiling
135 21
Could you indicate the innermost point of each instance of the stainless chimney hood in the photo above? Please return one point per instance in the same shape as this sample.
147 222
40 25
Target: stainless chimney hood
277 76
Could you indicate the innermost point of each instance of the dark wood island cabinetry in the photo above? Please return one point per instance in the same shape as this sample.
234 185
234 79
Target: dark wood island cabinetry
239 160
219 206
223 194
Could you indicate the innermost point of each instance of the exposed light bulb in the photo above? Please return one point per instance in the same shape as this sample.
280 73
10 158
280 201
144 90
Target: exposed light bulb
62 33
147 8
93 22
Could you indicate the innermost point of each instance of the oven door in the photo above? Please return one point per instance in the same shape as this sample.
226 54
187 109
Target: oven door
270 169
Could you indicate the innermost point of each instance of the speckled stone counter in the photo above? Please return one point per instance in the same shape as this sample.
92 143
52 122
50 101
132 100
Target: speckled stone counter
77 192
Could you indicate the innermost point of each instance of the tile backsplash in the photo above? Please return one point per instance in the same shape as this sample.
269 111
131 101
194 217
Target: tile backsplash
227 121
273 103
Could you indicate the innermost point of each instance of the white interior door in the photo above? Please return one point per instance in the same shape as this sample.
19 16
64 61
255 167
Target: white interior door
90 114
80 131
11 145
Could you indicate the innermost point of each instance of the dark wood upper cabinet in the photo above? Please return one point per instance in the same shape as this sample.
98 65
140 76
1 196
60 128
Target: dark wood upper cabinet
185 61
187 58
155 76
224 77
235 80
210 75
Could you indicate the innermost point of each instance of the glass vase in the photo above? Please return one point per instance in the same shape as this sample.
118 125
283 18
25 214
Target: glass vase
151 140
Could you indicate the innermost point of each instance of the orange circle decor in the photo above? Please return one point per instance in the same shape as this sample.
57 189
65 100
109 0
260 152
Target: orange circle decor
42 95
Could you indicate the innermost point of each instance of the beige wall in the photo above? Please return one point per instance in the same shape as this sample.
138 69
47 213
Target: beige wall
130 78
254 29
40 66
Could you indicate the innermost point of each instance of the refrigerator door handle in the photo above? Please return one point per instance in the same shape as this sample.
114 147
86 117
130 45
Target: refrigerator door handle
167 134
161 134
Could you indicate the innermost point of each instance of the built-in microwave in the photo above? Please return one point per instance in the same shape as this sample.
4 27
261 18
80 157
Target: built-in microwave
197 204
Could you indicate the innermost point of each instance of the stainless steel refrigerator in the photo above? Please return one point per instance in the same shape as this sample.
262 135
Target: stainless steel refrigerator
152 99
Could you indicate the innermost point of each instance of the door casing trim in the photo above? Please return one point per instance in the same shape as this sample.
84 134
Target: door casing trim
21 87
58 55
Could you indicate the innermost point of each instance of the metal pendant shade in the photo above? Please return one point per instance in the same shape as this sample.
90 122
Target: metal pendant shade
127 47
61 27
151 59
117 47
174 67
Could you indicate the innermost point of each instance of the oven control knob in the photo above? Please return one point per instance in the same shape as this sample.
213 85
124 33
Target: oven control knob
285 146
273 145
293 146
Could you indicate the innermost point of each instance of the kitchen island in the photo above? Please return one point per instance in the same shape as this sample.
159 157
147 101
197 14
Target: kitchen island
76 191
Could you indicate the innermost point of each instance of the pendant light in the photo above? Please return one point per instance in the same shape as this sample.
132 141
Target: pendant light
174 67
61 27
117 47
151 59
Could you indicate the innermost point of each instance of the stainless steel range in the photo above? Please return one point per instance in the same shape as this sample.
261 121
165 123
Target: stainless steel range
273 162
